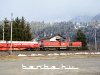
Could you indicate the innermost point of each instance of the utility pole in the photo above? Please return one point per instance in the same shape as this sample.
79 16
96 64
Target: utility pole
96 24
95 39
3 31
11 34
4 22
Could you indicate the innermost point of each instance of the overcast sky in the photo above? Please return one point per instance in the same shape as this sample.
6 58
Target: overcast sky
48 10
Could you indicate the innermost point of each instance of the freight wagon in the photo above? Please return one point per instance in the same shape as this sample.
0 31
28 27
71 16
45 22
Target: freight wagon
18 45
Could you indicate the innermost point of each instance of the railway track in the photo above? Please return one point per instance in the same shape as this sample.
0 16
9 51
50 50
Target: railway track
6 53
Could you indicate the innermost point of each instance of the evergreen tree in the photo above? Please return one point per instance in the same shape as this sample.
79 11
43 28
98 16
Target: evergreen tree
82 38
1 32
16 29
27 33
7 30
22 33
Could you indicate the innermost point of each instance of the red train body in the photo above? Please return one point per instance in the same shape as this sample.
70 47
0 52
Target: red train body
76 44
59 44
18 45
50 43
24 45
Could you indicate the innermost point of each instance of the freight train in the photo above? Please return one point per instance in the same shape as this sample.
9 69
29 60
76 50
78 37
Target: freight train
40 45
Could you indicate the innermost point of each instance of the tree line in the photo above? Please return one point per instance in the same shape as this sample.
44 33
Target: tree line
20 30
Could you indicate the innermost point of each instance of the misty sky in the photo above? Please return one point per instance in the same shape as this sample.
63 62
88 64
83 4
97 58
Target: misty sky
48 10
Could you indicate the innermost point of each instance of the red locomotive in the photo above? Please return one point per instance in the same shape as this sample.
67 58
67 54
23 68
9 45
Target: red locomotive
57 45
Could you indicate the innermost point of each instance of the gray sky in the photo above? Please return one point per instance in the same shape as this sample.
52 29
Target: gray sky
48 10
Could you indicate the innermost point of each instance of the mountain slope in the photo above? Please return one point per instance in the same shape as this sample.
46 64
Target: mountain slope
82 19
96 18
